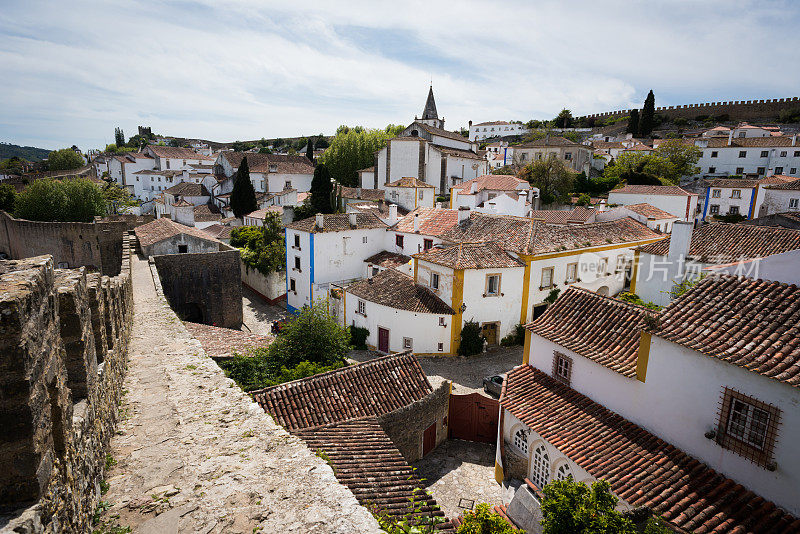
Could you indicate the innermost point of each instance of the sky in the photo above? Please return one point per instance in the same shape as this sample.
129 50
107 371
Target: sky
246 69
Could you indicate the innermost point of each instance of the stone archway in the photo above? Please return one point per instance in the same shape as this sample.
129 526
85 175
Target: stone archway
192 312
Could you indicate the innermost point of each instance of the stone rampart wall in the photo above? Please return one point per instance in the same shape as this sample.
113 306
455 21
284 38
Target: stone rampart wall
736 109
63 350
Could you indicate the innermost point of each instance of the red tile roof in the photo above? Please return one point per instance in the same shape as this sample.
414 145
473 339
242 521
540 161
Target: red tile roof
480 255
174 152
372 388
219 231
409 181
672 190
262 162
642 469
337 222
224 342
749 142
793 185
163 228
397 290
385 258
432 221
754 324
495 182
206 213
733 183
188 189
725 243
357 193
603 329
650 211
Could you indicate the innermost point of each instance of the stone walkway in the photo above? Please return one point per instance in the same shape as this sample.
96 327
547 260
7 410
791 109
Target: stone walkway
193 453
257 314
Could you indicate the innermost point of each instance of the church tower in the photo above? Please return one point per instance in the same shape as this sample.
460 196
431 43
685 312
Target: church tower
429 114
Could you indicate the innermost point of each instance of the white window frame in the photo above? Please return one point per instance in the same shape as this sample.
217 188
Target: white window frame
520 440
572 273
551 270
747 426
434 281
540 466
362 308
489 278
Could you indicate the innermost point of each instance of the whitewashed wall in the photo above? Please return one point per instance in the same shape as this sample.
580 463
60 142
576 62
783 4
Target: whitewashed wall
675 204
503 308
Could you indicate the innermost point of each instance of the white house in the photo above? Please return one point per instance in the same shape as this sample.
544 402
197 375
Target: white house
328 249
709 397
780 198
487 130
122 167
485 193
575 156
655 218
269 173
410 193
419 230
669 198
759 156
688 251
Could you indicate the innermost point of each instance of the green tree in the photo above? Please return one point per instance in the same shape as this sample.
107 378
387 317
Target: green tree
77 200
350 150
322 190
640 169
7 197
310 149
299 143
314 335
574 508
647 119
393 130
278 143
264 150
262 248
117 197
682 157
243 196
584 200
119 137
471 339
63 160
552 177
484 521
633 123
563 119
322 142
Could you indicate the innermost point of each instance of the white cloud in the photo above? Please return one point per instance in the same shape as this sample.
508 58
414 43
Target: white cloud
245 69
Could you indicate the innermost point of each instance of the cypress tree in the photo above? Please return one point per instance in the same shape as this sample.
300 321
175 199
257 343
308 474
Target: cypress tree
310 150
119 137
647 120
243 196
633 123
321 190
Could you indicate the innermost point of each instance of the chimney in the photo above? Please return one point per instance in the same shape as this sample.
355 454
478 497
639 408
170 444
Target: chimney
416 223
473 188
354 219
392 213
320 221
463 213
681 240
794 140
470 124
730 137
358 192
438 204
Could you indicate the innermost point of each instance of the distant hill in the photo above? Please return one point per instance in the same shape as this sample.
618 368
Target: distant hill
29 153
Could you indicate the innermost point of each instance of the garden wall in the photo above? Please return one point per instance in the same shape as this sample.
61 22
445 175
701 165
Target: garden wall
271 287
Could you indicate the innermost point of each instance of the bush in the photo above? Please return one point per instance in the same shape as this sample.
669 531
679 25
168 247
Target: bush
790 115
575 508
74 200
633 298
261 371
262 248
7 197
484 521
680 121
358 337
64 159
731 218
471 339
517 337
584 200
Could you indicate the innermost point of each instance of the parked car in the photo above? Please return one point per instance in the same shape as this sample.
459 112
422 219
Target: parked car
493 385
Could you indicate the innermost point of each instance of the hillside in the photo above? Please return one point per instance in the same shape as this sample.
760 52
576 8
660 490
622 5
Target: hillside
29 153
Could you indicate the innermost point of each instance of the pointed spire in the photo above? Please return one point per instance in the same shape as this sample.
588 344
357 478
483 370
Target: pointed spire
430 107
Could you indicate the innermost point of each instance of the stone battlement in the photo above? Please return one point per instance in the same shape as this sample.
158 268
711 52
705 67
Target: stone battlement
63 348
736 109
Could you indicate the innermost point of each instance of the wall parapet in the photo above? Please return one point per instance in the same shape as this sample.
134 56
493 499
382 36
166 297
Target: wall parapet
768 108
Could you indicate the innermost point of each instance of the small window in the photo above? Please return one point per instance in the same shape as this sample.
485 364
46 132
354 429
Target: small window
764 153
297 263
783 153
521 441
287 184
540 467
713 209
408 343
712 170
183 249
273 168
292 285
733 210
398 240
793 170
714 154
167 167
621 257
572 273
793 203
778 170
736 193
747 426
362 307
761 171
563 472
547 278
797 153
716 193
742 135
434 281
427 244
602 267
743 153
562 368
492 284
440 347
297 241
739 170
375 271
568 156
441 322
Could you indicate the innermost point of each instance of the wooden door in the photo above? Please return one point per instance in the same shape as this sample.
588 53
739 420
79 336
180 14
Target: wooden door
473 417
490 333
383 340
429 439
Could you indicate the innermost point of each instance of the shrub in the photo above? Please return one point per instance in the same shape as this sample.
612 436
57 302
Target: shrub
471 339
77 200
261 371
790 115
731 218
358 337
552 296
484 521
633 298
262 248
680 121
574 508
517 337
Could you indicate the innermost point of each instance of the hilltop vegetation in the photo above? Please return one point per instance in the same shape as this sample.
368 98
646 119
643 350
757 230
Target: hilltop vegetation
30 153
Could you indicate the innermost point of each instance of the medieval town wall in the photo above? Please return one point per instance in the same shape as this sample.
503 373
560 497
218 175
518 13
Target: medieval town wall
745 110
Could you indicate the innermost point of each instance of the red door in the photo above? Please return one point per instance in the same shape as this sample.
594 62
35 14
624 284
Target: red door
429 439
383 340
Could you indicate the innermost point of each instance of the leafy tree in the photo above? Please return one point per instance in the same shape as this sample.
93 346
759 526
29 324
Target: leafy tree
552 177
322 190
7 196
259 370
264 150
681 156
471 339
584 200
263 247
321 142
243 196
304 210
350 150
117 196
393 130
239 146
12 165
299 143
790 115
563 119
314 335
533 124
484 521
63 160
278 143
173 143
647 119
119 137
639 169
464 132
77 200
416 519
574 508
633 123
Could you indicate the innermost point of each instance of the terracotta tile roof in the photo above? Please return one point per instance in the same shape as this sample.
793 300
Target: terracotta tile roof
206 213
397 290
480 255
642 469
262 213
639 147
526 236
338 222
372 388
603 329
380 209
188 189
495 182
725 243
551 216
409 181
605 145
388 259
218 231
672 190
754 324
735 183
224 342
181 203
374 195
174 152
164 228
458 152
650 211
777 179
261 162
749 142
444 133
551 141
794 185
491 123
366 460
432 221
